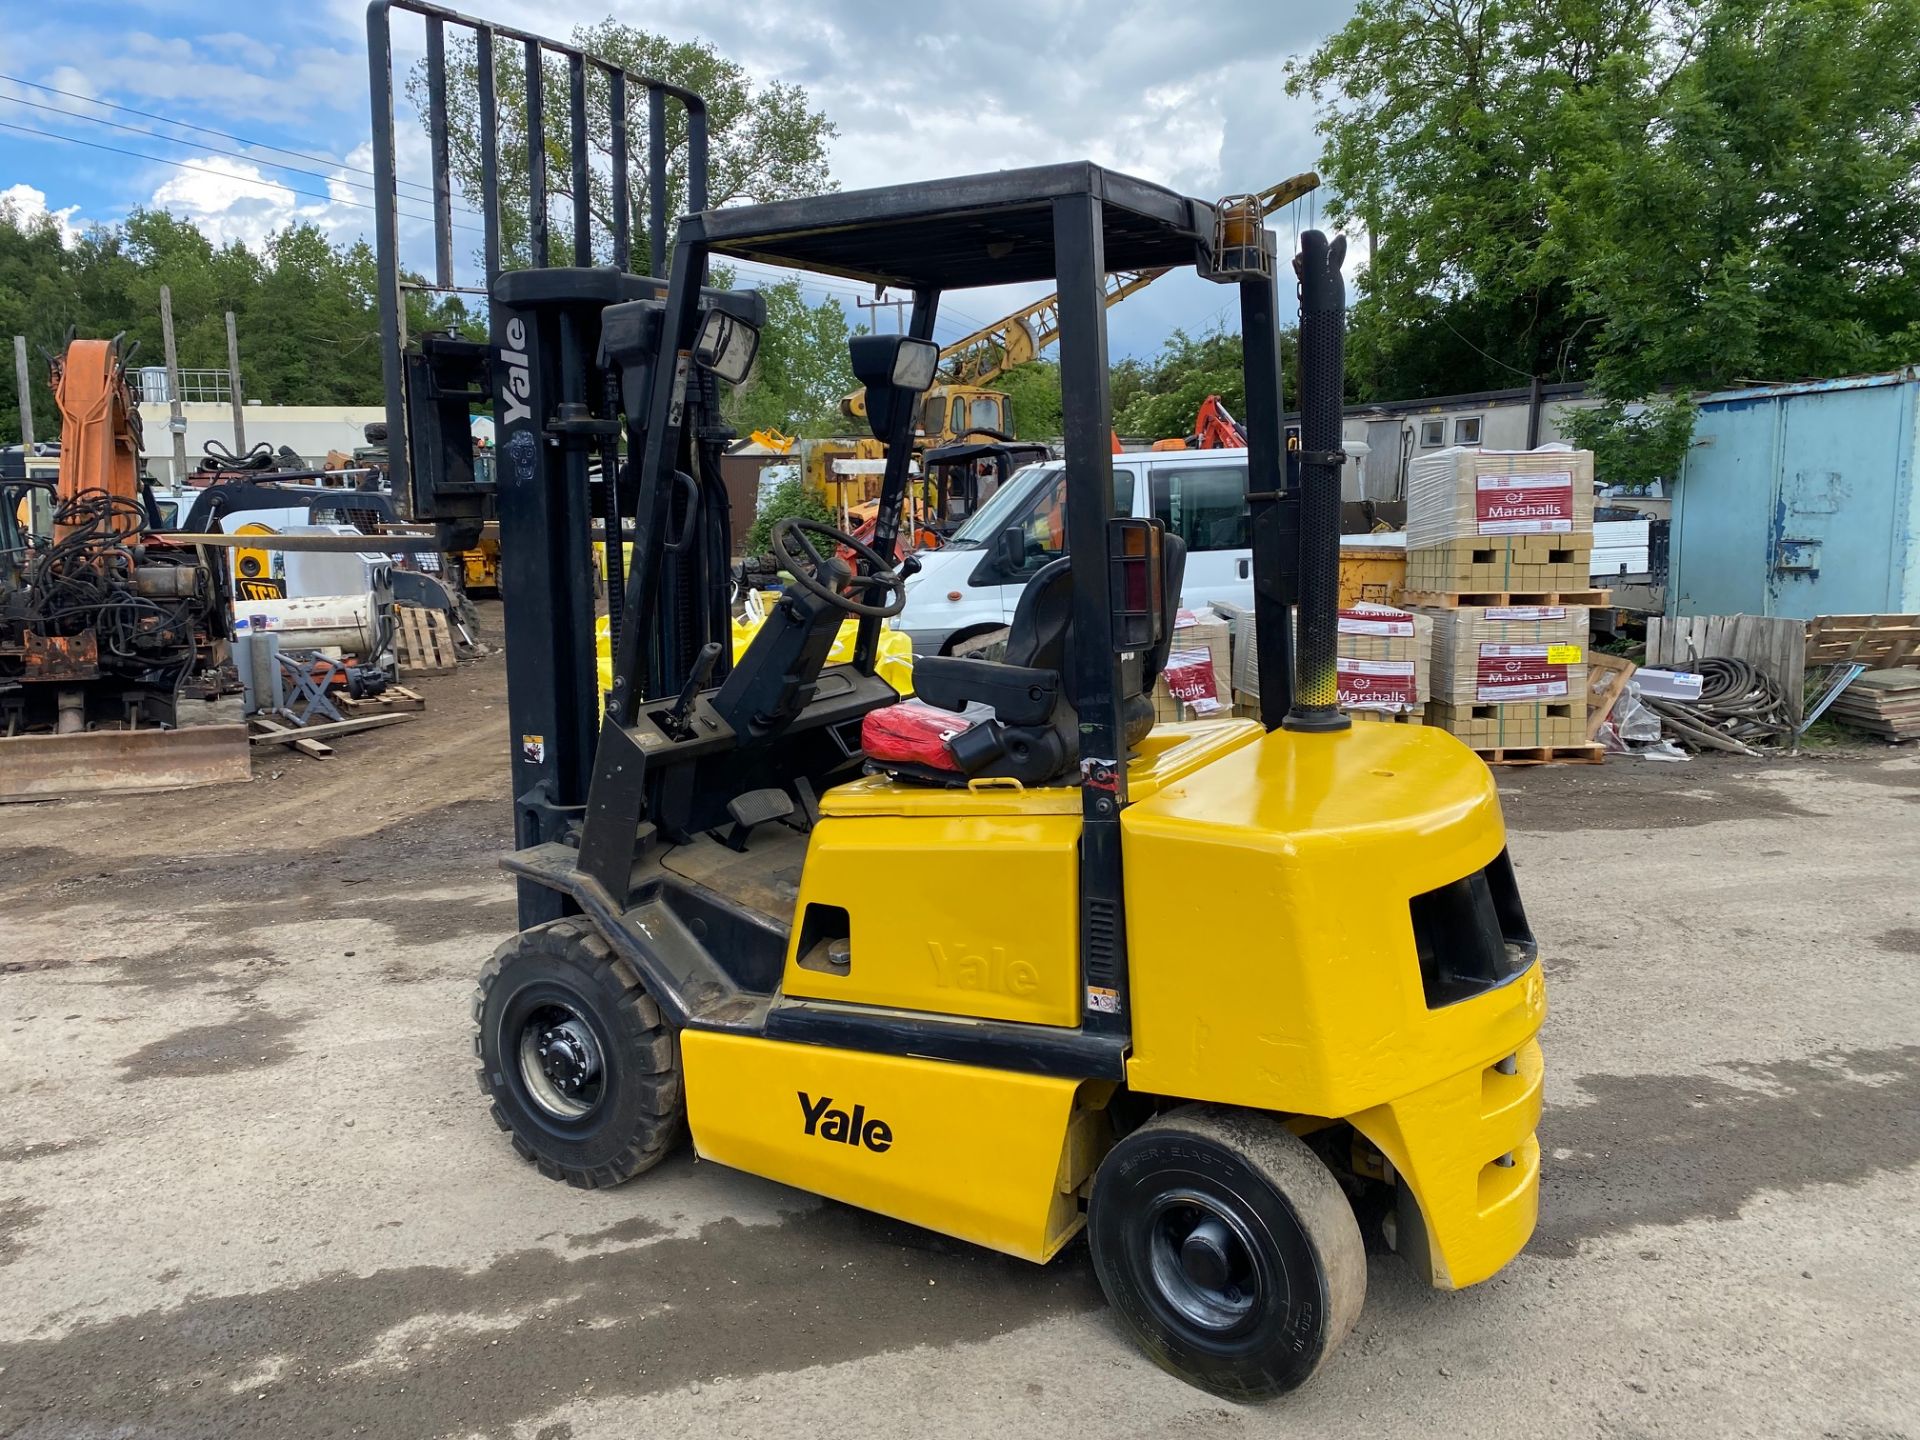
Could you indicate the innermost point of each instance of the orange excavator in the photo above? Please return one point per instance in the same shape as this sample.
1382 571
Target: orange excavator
102 620
1214 428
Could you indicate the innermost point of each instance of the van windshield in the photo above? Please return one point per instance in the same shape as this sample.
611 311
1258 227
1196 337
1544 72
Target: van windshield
1001 508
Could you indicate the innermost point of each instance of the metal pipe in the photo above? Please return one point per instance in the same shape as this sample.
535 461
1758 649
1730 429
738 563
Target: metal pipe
386 224
1323 315
489 154
536 156
438 140
233 387
622 198
657 183
582 177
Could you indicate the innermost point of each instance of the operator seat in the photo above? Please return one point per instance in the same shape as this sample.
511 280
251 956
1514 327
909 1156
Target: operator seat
1035 733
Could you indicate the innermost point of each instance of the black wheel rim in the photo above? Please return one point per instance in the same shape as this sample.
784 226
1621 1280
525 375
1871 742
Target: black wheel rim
559 1059
1204 1267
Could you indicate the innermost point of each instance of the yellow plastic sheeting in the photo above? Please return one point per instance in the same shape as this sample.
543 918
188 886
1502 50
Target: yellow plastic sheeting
895 665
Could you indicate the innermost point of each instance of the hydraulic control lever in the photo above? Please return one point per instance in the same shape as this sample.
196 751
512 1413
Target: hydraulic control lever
674 722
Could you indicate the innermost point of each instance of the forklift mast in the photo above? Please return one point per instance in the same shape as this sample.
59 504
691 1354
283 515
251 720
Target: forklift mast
567 371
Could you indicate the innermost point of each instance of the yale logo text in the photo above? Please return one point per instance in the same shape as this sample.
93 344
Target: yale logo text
992 971
519 384
842 1128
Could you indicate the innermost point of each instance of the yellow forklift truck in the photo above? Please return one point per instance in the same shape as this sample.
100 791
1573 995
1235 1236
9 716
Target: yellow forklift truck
1226 996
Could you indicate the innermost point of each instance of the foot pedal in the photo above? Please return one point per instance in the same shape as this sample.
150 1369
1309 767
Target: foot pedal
756 807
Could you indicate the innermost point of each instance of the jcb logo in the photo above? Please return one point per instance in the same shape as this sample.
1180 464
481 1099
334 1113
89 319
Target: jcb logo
842 1128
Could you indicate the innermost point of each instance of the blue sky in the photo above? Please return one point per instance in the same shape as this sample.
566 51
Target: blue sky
1191 97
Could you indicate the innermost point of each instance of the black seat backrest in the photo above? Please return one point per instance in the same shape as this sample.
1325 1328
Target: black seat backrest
1034 690
1043 618
1040 634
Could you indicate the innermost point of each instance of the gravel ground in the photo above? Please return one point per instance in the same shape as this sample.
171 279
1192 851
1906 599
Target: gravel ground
248 1187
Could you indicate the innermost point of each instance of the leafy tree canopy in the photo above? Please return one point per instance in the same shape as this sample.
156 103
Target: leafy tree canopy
1033 395
1159 399
1639 193
304 307
802 369
765 141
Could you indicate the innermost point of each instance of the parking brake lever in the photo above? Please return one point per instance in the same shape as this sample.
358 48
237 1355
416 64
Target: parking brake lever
674 722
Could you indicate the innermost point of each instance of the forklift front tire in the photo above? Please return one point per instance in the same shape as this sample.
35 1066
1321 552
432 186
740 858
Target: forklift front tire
1228 1249
582 1068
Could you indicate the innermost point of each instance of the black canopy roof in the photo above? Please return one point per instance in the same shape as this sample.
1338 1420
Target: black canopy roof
971 450
971 230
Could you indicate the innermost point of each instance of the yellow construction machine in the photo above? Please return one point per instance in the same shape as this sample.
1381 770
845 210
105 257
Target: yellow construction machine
1228 997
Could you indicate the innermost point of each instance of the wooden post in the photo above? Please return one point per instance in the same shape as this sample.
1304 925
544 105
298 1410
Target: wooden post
233 388
177 421
26 396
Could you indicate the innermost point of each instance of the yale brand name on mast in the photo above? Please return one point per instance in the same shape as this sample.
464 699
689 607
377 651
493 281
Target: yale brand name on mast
519 384
844 1129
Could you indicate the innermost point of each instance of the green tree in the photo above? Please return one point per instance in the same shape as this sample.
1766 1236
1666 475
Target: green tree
1033 395
309 327
790 497
1634 445
766 142
1766 225
1166 393
1450 131
802 369
1640 193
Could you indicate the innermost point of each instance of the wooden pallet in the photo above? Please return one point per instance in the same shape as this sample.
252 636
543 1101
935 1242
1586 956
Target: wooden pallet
425 641
1542 754
1451 600
1607 677
1880 642
394 700
308 740
1885 703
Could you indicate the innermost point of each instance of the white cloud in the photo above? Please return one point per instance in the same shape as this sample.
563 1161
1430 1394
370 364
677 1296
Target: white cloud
236 200
27 205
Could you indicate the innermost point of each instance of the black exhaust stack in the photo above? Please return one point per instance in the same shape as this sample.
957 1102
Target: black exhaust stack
1323 322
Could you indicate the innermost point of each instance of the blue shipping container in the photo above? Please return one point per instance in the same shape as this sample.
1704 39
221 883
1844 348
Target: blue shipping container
1799 500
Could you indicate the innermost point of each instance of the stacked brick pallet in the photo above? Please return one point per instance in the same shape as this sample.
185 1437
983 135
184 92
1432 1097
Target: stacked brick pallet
1499 545
1384 663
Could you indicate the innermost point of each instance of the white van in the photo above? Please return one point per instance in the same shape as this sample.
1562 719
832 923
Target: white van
971 584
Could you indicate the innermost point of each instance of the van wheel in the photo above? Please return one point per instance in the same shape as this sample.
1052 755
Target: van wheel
1228 1249
582 1068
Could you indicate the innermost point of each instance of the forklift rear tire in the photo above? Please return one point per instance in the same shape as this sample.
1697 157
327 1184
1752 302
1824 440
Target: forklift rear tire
1228 1249
582 1068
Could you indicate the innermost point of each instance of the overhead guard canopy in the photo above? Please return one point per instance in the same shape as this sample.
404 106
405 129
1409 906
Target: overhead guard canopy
955 234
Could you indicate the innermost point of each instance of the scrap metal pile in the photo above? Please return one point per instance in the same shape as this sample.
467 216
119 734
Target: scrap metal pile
101 621
1740 706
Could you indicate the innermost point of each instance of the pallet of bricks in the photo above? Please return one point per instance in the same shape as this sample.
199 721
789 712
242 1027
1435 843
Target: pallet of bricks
1382 664
1499 550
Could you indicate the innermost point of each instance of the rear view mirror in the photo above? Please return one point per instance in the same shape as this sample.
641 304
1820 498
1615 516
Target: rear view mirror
1011 550
895 369
726 345
914 364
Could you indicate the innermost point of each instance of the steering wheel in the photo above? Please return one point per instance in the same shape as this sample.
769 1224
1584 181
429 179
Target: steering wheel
999 435
796 554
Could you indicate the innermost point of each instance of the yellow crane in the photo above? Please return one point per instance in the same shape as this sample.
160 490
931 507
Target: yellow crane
964 400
